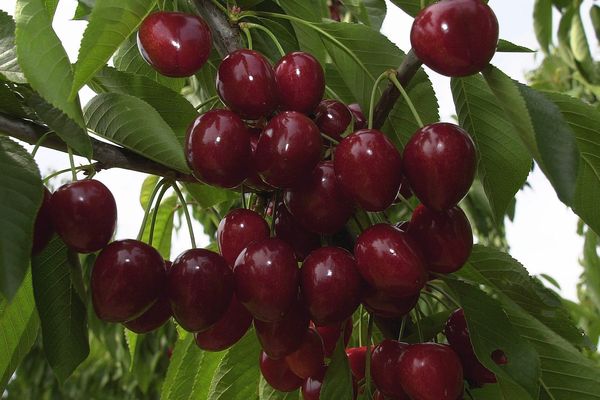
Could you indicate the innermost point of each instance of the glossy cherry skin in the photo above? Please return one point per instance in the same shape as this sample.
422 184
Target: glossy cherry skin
217 148
390 261
319 205
431 371
175 44
278 374
311 388
384 366
309 359
300 82
445 238
368 167
333 118
246 84
288 149
440 164
127 278
291 232
384 306
84 214
267 279
360 122
331 285
357 357
254 180
43 228
232 326
237 230
200 289
455 37
331 334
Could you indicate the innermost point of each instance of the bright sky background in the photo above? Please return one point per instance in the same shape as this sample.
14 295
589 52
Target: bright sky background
543 236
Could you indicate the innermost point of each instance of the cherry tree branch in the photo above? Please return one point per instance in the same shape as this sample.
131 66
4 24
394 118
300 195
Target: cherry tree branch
226 36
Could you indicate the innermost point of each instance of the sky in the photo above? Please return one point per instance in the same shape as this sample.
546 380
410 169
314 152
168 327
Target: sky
543 236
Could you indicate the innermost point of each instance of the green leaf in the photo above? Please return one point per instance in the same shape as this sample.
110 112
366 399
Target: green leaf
163 228
595 17
337 384
21 194
9 66
147 188
19 326
208 196
412 7
581 49
508 47
10 104
591 264
431 325
134 124
369 12
266 392
308 39
542 23
61 309
337 85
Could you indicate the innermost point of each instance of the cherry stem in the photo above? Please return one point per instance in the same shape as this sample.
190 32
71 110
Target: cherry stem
392 77
402 328
39 143
206 102
360 326
368 361
243 191
72 162
329 138
62 171
332 93
186 212
381 77
220 7
155 212
418 323
248 36
444 293
249 25
175 6
157 188
406 202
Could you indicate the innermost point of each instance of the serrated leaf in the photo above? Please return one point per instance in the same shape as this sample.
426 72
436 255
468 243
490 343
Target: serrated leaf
10 104
266 392
111 22
369 12
208 196
337 384
411 7
505 46
9 66
336 87
134 124
21 194
542 23
431 325
163 228
61 310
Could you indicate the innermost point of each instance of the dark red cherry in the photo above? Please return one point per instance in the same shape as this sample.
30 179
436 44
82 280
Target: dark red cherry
254 180
291 232
357 357
319 204
333 118
288 149
440 163
360 122
174 44
431 371
217 148
331 334
384 368
390 261
455 37
200 289
246 84
278 374
368 168
309 359
237 230
156 316
300 82
384 306
84 214
445 238
232 326
311 388
127 278
43 229
267 279
331 285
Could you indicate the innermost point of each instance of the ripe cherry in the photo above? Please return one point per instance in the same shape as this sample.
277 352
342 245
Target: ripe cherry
309 359
319 204
311 388
455 37
232 326
440 163
333 118
445 238
300 82
237 230
331 285
246 84
390 261
175 44
254 180
431 371
291 232
84 214
43 229
283 337
360 122
331 334
384 306
357 357
384 367
218 149
200 289
288 149
127 278
368 168
267 279
278 374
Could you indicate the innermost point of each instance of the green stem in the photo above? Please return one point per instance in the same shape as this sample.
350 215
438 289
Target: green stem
368 363
204 103
418 323
402 328
155 213
329 138
187 214
248 37
175 6
373 93
157 188
332 93
72 163
360 326
266 30
396 82
40 142
62 171
220 7
243 191
406 202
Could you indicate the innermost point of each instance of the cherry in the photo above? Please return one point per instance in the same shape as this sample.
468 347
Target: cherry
384 306
455 37
232 326
439 163
319 204
267 279
43 229
156 316
127 278
309 359
311 388
360 122
237 230
333 118
430 371
357 357
175 44
290 231
445 237
331 285
300 82
217 148
368 168
390 261
331 334
278 374
254 181
288 149
246 84
84 214
384 365
200 288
